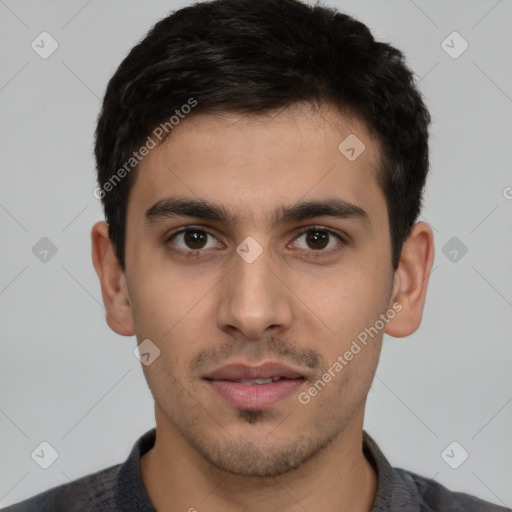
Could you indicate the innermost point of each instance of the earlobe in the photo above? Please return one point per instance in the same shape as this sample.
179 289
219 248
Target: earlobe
112 280
411 281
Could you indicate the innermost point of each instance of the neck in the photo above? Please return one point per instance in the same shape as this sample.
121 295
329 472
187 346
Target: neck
178 478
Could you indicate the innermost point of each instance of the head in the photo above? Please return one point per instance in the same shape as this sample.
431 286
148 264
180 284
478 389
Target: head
251 129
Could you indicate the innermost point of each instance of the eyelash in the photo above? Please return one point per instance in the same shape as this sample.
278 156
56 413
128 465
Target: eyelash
199 252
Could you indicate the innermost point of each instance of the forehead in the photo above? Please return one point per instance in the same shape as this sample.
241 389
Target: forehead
253 165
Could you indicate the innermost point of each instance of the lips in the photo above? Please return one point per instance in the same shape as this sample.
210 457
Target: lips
254 387
239 372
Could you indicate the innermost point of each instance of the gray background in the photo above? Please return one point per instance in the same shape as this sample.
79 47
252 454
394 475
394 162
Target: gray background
65 378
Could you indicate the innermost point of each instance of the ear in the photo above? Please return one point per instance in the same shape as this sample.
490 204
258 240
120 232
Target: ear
411 281
113 282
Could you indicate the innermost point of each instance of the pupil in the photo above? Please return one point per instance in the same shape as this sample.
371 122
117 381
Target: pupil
318 239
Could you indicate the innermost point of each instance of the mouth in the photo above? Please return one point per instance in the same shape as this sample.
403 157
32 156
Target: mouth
254 387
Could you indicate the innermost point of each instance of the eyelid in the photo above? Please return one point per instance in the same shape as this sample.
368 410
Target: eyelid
184 229
342 236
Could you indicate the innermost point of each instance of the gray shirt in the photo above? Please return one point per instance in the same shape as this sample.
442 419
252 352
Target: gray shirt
119 488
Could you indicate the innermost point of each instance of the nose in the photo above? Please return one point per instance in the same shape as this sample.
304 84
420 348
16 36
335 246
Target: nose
254 300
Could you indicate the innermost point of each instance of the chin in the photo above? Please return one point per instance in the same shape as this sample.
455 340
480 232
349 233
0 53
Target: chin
253 457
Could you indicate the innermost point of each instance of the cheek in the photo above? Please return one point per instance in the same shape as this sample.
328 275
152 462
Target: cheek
351 347
176 316
167 300
345 302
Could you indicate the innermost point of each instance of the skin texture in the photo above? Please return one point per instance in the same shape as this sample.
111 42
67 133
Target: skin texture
295 303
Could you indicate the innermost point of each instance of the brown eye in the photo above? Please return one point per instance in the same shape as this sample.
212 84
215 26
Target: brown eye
192 239
195 239
315 239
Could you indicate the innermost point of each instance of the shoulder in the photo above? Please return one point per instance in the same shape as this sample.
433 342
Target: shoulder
434 497
90 493
113 489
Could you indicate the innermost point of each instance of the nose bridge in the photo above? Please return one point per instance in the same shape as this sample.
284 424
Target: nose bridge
254 275
253 299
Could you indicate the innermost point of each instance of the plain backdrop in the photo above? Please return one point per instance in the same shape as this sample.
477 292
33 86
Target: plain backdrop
66 379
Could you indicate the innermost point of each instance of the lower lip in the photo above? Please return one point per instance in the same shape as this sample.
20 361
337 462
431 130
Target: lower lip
255 396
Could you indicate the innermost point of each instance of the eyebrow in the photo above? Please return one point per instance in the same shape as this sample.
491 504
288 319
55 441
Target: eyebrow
183 207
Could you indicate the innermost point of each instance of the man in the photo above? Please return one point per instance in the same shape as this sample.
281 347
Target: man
261 166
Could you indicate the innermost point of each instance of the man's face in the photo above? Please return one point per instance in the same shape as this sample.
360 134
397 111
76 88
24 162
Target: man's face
220 315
